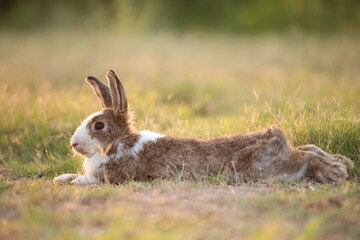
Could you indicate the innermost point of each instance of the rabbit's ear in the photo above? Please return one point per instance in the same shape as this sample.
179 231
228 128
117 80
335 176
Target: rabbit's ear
119 101
101 90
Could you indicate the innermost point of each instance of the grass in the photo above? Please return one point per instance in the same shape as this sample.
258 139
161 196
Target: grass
193 85
178 210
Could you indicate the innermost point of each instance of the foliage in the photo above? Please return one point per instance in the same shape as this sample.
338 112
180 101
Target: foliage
183 15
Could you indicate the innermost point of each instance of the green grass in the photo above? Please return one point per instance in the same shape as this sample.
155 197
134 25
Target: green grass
194 85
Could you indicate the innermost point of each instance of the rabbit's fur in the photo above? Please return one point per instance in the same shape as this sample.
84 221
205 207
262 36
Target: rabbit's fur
117 152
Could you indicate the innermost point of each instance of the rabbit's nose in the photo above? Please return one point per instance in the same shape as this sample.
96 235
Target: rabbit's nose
74 145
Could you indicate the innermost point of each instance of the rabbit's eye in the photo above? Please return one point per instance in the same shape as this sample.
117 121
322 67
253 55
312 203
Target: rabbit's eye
99 126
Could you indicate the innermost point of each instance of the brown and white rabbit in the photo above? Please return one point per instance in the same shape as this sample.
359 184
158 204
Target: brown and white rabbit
115 151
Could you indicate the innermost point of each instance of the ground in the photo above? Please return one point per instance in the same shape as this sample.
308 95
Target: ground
194 85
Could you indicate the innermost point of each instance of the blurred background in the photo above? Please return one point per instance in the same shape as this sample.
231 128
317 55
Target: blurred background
202 68
231 16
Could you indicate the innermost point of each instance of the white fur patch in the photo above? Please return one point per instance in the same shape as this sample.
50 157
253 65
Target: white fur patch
145 137
85 180
92 165
83 139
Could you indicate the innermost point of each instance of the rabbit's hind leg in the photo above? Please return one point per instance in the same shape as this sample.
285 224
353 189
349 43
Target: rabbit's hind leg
315 149
329 157
321 169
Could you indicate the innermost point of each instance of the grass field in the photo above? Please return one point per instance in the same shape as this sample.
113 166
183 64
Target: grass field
193 85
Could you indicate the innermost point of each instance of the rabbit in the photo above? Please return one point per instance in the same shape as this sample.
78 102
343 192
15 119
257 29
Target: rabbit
115 152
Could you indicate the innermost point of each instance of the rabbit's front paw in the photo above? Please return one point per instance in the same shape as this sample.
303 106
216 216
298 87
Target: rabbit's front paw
85 180
64 178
